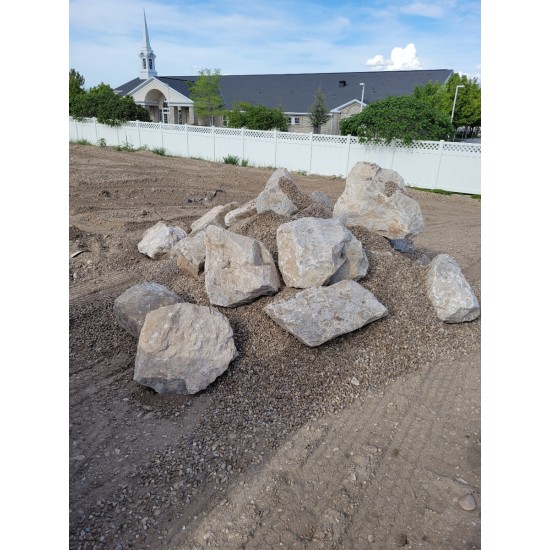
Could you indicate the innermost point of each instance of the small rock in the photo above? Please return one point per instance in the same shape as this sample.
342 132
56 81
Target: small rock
354 381
467 502
371 538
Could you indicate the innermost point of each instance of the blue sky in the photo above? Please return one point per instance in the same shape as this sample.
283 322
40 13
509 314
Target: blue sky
258 37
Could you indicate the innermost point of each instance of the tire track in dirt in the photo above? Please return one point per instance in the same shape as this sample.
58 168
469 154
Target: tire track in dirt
397 472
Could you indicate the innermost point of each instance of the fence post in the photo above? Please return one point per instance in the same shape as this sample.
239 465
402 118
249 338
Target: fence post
76 127
275 145
394 147
347 156
439 155
139 133
310 150
161 134
95 127
187 139
214 143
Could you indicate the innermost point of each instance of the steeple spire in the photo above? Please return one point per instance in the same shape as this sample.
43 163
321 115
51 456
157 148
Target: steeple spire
147 57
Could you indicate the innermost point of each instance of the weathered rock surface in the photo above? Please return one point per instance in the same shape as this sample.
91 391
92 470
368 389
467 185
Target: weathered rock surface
376 199
281 195
317 315
237 269
183 348
245 211
190 254
315 252
215 216
132 306
449 292
322 198
159 240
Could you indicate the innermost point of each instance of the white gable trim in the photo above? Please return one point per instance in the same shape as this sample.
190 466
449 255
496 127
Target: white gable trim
175 98
345 105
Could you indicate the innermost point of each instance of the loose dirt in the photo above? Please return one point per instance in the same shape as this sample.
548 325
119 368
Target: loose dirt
368 441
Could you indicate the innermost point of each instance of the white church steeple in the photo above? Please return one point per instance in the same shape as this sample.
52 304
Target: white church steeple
146 56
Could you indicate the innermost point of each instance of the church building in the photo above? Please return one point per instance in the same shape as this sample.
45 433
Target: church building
168 100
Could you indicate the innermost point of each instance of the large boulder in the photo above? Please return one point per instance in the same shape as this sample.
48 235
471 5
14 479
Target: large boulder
317 315
160 239
375 198
215 216
449 292
133 305
183 348
237 269
190 254
281 195
316 252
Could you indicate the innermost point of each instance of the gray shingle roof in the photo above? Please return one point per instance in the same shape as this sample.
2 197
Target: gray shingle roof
295 92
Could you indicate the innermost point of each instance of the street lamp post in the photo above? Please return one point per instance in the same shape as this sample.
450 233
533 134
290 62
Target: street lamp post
454 102
362 93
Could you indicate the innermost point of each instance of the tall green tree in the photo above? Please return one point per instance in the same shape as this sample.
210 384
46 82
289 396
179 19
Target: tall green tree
256 117
468 99
318 112
103 103
405 118
205 93
76 83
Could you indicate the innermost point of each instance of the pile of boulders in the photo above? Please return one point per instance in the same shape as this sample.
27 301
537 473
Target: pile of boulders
184 347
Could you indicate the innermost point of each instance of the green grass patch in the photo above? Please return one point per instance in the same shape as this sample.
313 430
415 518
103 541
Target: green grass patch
159 151
82 142
231 159
127 147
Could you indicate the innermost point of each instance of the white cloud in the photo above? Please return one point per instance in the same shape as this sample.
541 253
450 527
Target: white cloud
435 10
400 59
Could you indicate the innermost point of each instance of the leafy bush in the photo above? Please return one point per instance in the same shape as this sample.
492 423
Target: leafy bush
231 159
406 118
102 142
128 147
256 117
244 162
159 151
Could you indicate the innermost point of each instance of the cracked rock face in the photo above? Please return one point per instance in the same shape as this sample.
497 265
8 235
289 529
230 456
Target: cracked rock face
449 292
183 348
317 315
315 252
375 198
132 306
160 239
243 212
237 269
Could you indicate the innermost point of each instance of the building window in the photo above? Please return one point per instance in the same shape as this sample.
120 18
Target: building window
144 64
293 120
225 121
150 63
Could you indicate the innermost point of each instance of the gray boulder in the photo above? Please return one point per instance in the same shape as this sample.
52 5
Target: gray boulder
183 348
281 195
190 254
132 306
317 315
315 252
238 269
159 240
449 292
375 198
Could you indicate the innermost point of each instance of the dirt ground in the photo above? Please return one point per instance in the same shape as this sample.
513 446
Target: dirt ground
368 441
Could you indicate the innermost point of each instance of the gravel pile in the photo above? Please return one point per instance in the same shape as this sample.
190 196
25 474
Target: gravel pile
143 466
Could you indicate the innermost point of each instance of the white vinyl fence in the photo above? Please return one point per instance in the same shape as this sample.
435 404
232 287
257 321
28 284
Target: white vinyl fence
443 165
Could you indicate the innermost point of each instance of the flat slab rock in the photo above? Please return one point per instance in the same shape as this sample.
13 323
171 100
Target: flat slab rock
317 315
133 305
449 292
215 216
160 239
183 348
